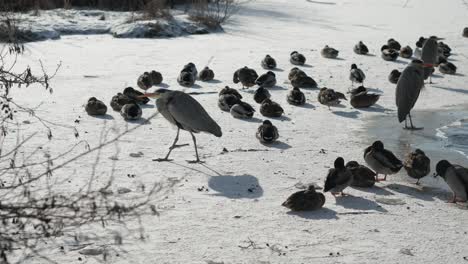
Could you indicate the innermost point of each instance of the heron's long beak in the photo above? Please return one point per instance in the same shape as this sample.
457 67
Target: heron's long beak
150 95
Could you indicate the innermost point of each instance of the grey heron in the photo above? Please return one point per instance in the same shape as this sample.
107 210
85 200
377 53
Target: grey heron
382 161
183 111
408 87
268 62
430 56
456 177
307 200
417 164
297 58
338 178
362 175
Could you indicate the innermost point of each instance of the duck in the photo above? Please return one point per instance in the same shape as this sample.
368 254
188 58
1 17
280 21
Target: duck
417 164
297 58
268 62
226 101
261 94
131 111
360 98
393 44
420 42
362 176
135 95
329 97
206 74
447 68
406 52
296 97
300 81
229 90
307 200
360 48
156 77
382 161
245 76
388 53
394 76
267 79
144 81
267 132
186 79
95 107
444 49
271 109
191 68
465 32
119 100
456 178
338 178
242 110
329 52
356 75
295 72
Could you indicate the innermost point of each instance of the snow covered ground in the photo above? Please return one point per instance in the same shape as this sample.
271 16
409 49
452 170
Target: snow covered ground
394 222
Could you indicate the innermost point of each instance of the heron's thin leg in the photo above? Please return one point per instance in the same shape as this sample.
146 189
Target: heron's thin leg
406 123
430 79
417 182
170 148
196 150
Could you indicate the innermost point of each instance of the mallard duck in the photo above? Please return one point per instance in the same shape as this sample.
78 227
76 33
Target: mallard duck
297 58
206 74
417 164
444 49
329 52
245 76
389 54
356 75
267 132
338 178
144 81
261 94
406 52
156 77
226 101
447 68
420 42
119 100
307 200
362 175
295 72
242 110
329 97
131 112
360 98
393 44
135 95
191 68
271 109
301 81
229 90
95 107
360 48
456 178
296 97
394 76
465 32
382 161
186 79
267 79
268 63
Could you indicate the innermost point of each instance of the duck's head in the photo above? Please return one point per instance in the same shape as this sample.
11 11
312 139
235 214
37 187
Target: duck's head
339 163
384 47
267 123
271 73
352 164
441 168
378 145
296 89
353 66
294 52
158 93
360 89
420 152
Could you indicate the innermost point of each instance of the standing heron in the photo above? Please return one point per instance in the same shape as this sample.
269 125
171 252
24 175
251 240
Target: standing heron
186 113
430 56
407 91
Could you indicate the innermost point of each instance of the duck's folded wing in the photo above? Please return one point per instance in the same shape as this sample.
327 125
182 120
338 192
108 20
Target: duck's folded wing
387 159
463 175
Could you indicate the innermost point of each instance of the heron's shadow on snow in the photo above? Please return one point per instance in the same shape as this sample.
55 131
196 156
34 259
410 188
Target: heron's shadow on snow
147 106
359 203
323 213
236 187
457 90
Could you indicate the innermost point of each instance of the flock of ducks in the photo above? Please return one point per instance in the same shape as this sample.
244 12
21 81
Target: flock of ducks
187 114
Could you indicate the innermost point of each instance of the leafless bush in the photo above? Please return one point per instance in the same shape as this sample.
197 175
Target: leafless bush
212 13
35 210
156 9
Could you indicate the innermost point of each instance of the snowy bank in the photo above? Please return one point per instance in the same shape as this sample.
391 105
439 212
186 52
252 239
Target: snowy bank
52 24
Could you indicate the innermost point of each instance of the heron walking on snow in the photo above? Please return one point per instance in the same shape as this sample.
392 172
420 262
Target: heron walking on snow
186 113
407 91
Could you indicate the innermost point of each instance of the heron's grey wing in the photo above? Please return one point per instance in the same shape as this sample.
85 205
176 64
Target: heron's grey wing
407 91
430 52
189 113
